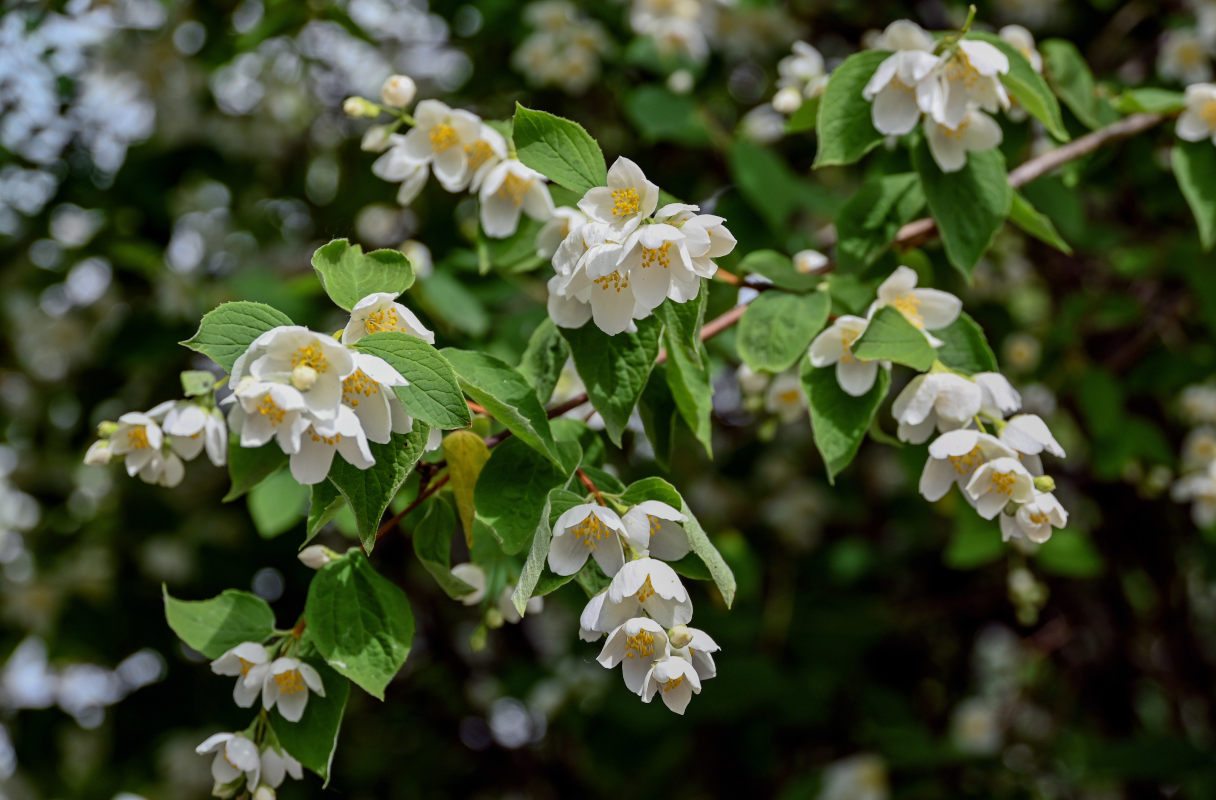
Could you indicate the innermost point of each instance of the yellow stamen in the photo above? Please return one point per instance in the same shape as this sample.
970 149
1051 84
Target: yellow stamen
310 356
625 202
591 531
271 410
1002 482
657 255
383 320
137 438
673 683
967 462
443 136
646 592
640 646
356 386
614 281
908 304
290 682
479 152
514 188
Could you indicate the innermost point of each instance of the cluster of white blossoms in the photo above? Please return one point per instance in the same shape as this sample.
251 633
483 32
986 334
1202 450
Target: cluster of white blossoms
621 255
154 443
504 610
1197 484
464 154
564 51
248 760
682 27
316 396
1186 54
950 85
802 76
645 610
1198 121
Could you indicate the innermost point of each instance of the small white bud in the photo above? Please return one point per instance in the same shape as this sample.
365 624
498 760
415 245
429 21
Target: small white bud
679 636
316 556
357 107
1045 483
787 100
398 91
303 377
680 81
809 262
264 792
375 139
98 453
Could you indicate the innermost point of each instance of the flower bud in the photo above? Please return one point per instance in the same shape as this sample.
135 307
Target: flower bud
680 81
303 377
787 100
809 262
98 453
1045 483
316 556
106 428
264 792
494 618
375 139
357 107
679 636
398 91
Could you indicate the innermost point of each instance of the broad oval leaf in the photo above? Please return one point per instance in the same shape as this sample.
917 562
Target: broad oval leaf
969 206
349 275
227 330
369 491
839 421
511 492
559 149
777 328
215 626
434 394
614 368
1194 166
890 337
846 132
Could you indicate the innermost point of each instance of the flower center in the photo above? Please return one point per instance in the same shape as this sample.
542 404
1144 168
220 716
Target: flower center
657 255
137 438
614 281
646 592
955 133
900 86
329 440
290 682
443 136
514 188
383 320
789 396
1208 113
271 410
673 683
967 462
655 524
846 342
625 202
908 304
1189 54
640 646
479 152
591 531
310 356
1038 518
245 666
358 384
962 71
1002 482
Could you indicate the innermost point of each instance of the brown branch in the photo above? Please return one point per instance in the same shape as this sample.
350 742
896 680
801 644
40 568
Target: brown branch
582 476
423 494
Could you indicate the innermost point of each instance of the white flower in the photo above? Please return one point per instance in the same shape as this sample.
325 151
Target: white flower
343 434
625 201
608 289
475 577
834 346
1198 448
484 153
380 312
376 139
940 399
248 661
600 616
508 189
1029 434
804 72
763 124
653 527
286 684
1199 487
950 145
313 363
316 556
265 410
999 396
859 777
565 221
1035 519
276 765
954 457
1198 403
904 34
564 305
587 530
140 439
975 724
927 309
787 100
1198 122
398 91
439 139
809 262
675 680
98 453
1022 41
369 392
636 645
235 755
892 90
655 257
968 77
784 397
696 646
1184 57
190 428
650 585
396 165
994 483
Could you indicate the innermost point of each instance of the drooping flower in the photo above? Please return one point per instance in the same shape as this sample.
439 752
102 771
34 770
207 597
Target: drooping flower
1029 434
647 584
565 221
600 616
1198 122
1198 488
968 77
950 145
311 362
636 644
140 440
343 434
954 457
697 647
999 396
927 309
287 683
190 428
834 345
1034 520
380 312
98 453
248 661
653 527
586 530
235 755
508 189
803 70
368 391
1022 41
278 764
784 397
439 139
625 201
892 91
1184 57
904 34
265 410
940 399
675 680
995 483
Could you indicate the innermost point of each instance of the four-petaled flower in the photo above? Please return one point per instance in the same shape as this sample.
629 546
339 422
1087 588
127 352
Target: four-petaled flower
587 530
248 661
286 684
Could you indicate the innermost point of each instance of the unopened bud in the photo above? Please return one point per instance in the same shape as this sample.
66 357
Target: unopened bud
264 792
375 139
357 107
494 618
679 636
106 428
809 262
398 91
680 81
98 453
1045 483
787 100
303 377
316 556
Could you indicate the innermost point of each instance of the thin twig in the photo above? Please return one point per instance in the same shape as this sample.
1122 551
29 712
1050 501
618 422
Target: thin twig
582 476
403 513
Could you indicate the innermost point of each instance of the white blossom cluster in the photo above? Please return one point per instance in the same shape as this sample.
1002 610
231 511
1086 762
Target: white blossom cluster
682 27
473 575
1185 53
1197 483
564 51
464 154
802 76
621 255
645 610
154 443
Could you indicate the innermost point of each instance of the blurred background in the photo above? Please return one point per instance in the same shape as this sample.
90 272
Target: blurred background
157 158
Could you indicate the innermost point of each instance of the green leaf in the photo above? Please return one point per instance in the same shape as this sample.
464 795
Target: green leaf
1027 86
544 358
324 503
657 408
249 466
1070 76
227 330
276 504
614 368
433 545
1071 554
1151 100
659 489
805 117
890 337
557 502
660 115
349 275
360 622
313 740
839 421
688 365
197 382
868 222
559 149
969 205
965 347
466 454
779 269
771 187
1194 166
369 491
974 542
512 490
1036 223
777 328
506 395
449 302
845 130
434 395
215 626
